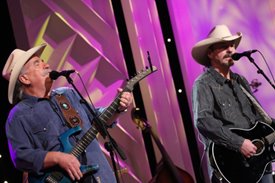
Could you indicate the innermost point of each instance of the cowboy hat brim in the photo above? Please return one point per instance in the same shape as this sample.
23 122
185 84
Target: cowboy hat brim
199 51
14 65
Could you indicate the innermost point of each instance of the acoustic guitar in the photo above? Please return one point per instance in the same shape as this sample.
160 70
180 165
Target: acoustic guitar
234 167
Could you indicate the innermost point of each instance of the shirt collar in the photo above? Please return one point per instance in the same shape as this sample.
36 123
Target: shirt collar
221 80
31 100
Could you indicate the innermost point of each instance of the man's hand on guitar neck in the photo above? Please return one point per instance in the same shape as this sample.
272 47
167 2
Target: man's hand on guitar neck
68 162
126 99
248 149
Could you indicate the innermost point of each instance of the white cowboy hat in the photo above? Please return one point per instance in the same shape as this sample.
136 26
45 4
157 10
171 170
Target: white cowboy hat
218 34
15 63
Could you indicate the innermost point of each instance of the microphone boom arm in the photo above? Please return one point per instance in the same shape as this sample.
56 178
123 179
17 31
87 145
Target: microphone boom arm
260 71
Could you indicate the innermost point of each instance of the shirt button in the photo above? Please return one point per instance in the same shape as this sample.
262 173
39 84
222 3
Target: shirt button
44 129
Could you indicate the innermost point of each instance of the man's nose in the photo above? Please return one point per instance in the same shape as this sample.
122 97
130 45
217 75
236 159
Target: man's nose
231 48
46 66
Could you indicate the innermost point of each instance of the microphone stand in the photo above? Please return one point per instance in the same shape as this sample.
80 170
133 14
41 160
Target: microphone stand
111 145
110 148
260 71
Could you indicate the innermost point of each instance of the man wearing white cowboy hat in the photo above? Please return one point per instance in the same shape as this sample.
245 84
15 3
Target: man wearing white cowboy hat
220 103
36 121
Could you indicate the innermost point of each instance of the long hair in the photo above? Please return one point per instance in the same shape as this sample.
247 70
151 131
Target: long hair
18 92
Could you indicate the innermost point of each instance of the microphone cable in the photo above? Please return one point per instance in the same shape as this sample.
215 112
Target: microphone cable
267 65
86 91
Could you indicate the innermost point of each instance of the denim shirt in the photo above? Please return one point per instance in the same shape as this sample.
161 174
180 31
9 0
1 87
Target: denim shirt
220 104
33 128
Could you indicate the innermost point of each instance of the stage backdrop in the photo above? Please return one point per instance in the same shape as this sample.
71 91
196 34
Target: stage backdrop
83 35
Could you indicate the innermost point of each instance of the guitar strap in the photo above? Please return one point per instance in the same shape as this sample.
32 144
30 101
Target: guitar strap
258 107
69 113
72 119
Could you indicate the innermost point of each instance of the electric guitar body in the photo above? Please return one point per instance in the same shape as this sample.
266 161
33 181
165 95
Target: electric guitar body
54 175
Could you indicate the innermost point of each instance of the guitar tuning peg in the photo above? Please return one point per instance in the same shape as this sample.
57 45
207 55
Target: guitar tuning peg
146 67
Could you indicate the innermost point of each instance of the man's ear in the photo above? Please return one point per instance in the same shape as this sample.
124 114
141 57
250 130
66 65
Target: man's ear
24 79
209 53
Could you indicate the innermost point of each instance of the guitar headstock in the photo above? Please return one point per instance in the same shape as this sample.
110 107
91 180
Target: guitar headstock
140 75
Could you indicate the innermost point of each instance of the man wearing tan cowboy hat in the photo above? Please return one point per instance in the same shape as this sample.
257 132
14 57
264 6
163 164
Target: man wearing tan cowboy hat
220 102
36 122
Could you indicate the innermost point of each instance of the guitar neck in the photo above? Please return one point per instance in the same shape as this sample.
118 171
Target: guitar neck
108 113
90 135
270 138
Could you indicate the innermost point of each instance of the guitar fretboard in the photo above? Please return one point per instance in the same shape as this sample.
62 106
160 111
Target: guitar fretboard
90 135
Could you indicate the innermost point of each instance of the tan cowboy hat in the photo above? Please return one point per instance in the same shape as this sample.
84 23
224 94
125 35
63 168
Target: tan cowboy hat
218 34
15 63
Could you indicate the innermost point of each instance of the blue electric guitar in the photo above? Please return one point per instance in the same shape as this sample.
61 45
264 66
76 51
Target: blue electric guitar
56 175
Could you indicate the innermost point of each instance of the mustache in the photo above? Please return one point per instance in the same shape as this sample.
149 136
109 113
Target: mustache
46 72
228 55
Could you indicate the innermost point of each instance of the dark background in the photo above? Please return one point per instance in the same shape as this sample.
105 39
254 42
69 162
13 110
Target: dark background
7 171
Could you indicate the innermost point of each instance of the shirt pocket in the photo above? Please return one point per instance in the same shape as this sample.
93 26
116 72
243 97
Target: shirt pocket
46 136
226 108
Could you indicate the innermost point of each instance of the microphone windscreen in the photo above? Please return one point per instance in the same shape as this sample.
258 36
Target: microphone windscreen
236 56
54 75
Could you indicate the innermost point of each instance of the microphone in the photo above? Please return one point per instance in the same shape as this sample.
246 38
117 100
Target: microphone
237 56
55 74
